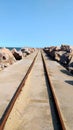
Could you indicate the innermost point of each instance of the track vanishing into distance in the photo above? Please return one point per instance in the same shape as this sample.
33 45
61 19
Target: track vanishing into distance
35 107
34 104
17 76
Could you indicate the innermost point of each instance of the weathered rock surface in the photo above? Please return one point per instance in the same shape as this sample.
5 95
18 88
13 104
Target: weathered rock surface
70 66
6 58
63 54
27 51
65 48
17 54
65 58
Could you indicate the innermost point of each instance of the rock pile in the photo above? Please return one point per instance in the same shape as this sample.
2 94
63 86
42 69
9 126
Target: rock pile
8 57
27 51
63 54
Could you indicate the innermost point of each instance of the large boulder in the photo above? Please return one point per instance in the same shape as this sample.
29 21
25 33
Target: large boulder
53 52
50 51
6 56
65 58
65 48
58 55
16 54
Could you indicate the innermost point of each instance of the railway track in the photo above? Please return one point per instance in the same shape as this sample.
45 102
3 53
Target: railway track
8 107
36 106
56 105
61 82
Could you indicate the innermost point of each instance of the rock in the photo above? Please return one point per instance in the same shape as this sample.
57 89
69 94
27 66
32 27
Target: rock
31 50
50 51
70 67
63 54
1 66
26 51
52 48
71 62
70 70
57 56
6 56
24 54
16 54
65 58
53 52
65 48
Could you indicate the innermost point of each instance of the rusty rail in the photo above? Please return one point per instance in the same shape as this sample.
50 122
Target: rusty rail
54 96
11 104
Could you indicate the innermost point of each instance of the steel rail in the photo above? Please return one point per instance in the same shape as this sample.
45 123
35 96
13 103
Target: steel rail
54 96
16 94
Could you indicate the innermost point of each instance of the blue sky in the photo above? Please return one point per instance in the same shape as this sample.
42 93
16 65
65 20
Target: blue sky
36 23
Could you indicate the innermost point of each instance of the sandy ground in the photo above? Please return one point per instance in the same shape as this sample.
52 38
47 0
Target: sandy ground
32 110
